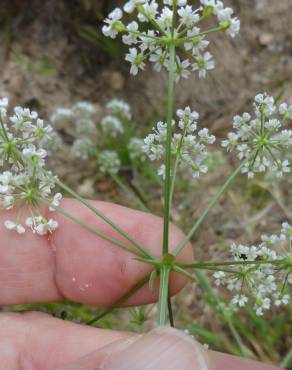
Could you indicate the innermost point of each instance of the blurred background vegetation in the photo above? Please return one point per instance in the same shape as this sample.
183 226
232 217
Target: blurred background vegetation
53 54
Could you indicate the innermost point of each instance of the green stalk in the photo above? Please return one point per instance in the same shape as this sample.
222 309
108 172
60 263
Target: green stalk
237 337
170 311
206 265
163 295
128 191
3 129
102 216
204 33
175 167
174 18
211 204
167 183
139 193
184 273
287 361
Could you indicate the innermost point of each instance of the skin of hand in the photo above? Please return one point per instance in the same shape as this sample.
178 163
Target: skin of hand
77 265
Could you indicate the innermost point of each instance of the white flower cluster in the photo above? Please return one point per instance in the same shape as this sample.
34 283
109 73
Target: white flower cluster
112 126
135 148
120 109
94 136
261 141
188 145
80 117
109 162
175 23
267 281
81 122
24 181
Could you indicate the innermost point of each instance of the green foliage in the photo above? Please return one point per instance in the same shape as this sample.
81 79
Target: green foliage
42 67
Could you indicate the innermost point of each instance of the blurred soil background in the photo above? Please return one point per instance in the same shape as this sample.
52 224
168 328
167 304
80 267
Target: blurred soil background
52 54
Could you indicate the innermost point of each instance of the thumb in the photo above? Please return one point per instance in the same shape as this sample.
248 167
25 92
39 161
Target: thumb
162 348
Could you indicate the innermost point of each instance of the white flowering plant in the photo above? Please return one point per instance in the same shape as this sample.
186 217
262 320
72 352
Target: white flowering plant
106 137
261 274
96 137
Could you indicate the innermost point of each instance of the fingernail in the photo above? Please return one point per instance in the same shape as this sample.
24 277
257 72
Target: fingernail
163 348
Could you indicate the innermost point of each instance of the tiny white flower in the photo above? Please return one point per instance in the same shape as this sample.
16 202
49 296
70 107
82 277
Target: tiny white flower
109 27
10 225
206 137
203 64
239 300
188 16
220 277
131 37
182 69
4 102
56 201
161 171
282 299
129 7
136 60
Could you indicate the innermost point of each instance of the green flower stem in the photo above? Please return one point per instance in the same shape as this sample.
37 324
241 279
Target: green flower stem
170 311
121 300
151 20
102 216
211 204
92 229
6 138
185 31
237 337
128 191
173 180
167 183
204 33
287 361
184 273
174 18
163 295
231 263
139 34
175 167
140 193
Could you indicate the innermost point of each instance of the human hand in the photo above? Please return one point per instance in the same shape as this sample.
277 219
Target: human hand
77 265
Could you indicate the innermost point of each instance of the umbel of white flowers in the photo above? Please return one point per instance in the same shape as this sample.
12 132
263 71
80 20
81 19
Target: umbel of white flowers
262 141
92 134
174 22
265 283
23 177
188 143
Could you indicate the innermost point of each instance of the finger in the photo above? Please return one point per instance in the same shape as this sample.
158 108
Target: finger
75 264
38 341
72 346
162 348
